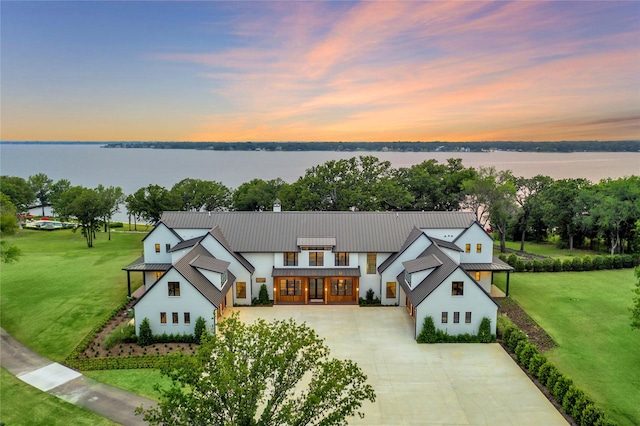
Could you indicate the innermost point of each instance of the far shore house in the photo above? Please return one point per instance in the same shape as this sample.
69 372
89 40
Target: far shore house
437 264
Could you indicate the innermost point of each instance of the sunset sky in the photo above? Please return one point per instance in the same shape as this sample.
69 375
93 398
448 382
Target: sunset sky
320 71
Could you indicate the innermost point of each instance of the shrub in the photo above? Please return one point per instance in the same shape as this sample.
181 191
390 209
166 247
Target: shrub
544 371
553 376
598 263
503 257
566 265
607 262
536 361
605 421
581 403
369 295
627 261
617 262
576 264
528 266
547 264
145 337
263 295
520 347
519 265
537 266
200 330
570 398
122 334
428 332
514 338
587 263
557 265
590 415
484 331
512 259
560 388
525 356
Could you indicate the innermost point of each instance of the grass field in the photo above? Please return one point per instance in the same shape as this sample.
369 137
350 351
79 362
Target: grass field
586 313
25 405
60 288
140 381
548 249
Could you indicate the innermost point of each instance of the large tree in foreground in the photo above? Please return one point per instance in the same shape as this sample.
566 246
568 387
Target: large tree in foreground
263 373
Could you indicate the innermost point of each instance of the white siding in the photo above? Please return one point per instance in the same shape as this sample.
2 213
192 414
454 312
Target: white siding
443 234
473 300
157 300
473 236
160 235
236 268
263 264
392 271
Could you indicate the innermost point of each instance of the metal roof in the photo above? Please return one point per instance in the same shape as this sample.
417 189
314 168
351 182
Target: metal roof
414 235
497 265
316 272
139 265
216 233
316 242
423 263
433 280
445 244
381 232
185 244
210 264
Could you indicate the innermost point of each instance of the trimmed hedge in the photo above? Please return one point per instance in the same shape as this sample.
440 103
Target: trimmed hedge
119 363
573 400
429 334
576 264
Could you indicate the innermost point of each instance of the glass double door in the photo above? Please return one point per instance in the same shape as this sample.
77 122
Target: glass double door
316 289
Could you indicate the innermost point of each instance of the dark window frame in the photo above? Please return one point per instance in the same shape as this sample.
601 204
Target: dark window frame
341 258
173 288
457 288
290 258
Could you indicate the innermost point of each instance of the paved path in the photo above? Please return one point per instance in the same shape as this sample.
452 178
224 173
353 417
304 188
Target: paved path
69 385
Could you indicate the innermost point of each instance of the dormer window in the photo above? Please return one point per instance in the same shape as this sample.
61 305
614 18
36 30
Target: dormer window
407 277
223 277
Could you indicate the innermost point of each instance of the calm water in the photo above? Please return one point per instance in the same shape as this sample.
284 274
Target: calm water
132 169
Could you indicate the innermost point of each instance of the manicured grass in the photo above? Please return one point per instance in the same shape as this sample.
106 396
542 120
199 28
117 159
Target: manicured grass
549 250
25 405
141 381
60 288
587 315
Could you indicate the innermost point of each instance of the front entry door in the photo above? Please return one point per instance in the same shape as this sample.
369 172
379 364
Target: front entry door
316 290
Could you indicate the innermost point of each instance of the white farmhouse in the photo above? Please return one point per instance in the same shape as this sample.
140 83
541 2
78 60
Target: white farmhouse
437 264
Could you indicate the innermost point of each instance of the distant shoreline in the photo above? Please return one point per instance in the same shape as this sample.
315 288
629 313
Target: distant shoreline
436 146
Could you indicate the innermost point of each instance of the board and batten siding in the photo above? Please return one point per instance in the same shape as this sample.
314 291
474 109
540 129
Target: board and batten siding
157 300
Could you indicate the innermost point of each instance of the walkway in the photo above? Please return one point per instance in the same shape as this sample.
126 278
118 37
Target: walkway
69 385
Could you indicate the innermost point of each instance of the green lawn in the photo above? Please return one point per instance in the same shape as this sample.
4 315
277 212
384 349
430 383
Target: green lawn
587 315
22 404
548 249
60 288
141 381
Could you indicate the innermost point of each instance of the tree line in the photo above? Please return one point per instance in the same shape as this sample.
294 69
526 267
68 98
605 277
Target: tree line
521 209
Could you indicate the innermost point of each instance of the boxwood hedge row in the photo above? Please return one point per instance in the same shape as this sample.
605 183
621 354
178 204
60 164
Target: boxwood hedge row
576 264
574 401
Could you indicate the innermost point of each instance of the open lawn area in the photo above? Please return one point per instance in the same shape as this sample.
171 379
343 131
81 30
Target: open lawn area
141 382
549 249
60 289
25 405
587 315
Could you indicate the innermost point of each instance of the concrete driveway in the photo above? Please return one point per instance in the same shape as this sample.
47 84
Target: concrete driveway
441 384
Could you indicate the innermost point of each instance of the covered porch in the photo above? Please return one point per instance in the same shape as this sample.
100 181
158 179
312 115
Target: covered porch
303 286
153 270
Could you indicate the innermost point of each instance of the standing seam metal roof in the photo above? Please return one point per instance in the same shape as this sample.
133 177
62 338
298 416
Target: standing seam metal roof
381 232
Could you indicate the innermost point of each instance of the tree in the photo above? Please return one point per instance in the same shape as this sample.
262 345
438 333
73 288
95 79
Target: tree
196 195
9 253
152 200
8 219
110 200
57 190
252 374
41 187
527 191
19 192
86 205
635 310
256 195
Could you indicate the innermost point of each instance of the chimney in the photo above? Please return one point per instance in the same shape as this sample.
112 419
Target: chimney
277 207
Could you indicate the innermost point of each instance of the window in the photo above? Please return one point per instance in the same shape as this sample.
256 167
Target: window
477 275
478 248
407 277
157 248
371 263
467 248
290 287
456 317
291 258
167 247
342 259
241 290
174 289
391 290
457 288
187 318
316 258
342 287
445 317
224 277
174 317
467 317
163 317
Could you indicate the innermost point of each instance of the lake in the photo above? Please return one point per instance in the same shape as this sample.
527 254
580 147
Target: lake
132 169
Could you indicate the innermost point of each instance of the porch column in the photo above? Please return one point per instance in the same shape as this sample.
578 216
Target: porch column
508 275
129 283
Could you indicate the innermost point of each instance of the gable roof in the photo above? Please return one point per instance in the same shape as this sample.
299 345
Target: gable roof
413 236
185 244
216 233
381 232
191 274
422 263
210 264
446 244
166 226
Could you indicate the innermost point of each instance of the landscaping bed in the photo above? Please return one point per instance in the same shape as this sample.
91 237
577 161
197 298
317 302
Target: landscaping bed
536 334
